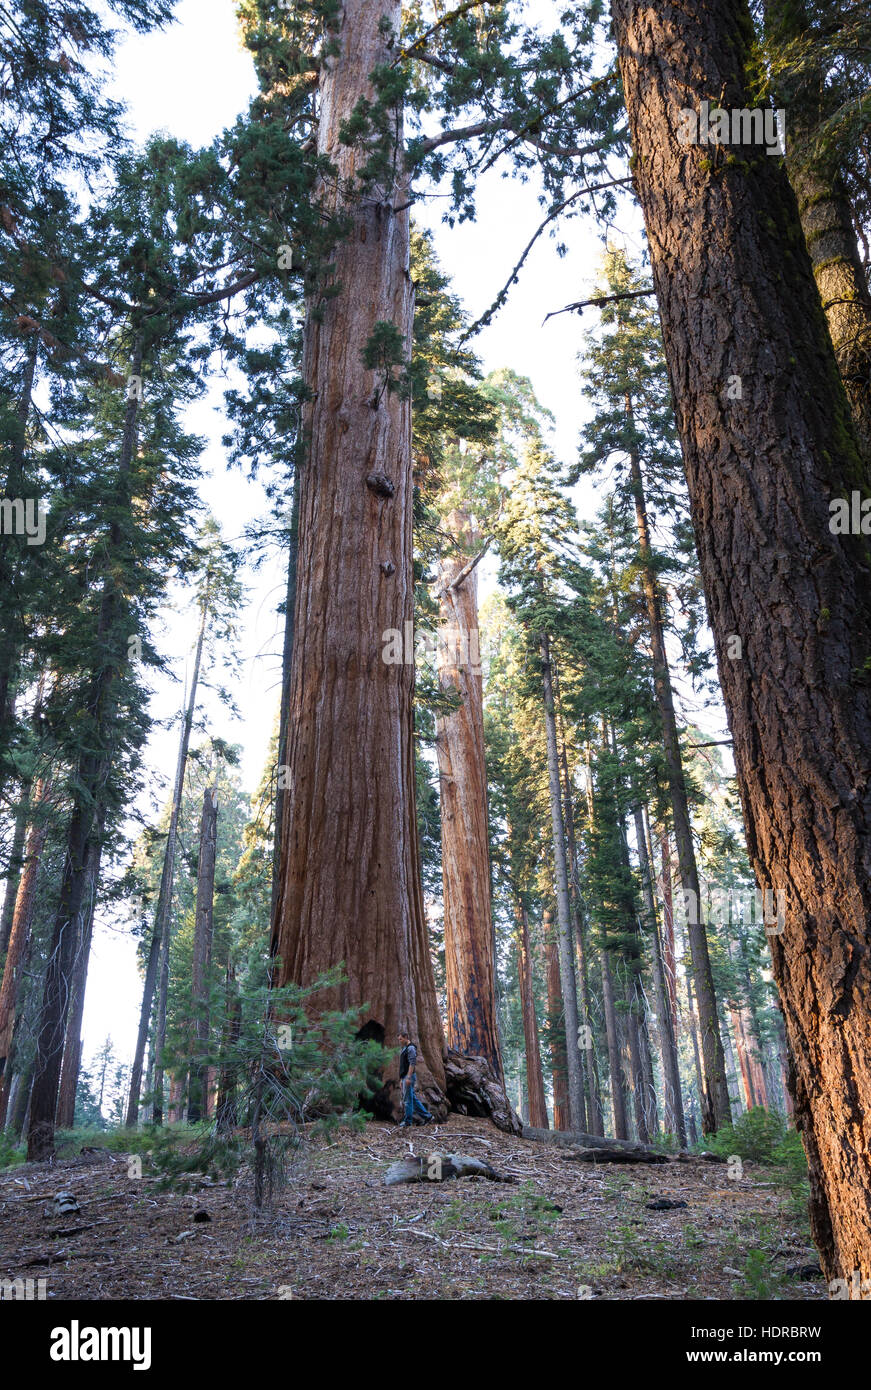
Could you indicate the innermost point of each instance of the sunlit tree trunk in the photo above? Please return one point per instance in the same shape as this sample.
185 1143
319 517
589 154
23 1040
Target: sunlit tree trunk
555 1027
674 1116
536 1102
615 1064
574 1080
350 889
737 299
470 971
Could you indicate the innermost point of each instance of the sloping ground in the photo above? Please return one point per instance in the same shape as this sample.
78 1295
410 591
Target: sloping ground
562 1230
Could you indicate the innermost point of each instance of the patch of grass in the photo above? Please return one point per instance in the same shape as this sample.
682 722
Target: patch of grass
692 1239
454 1217
338 1232
750 1248
11 1154
632 1253
70 1142
760 1280
526 1213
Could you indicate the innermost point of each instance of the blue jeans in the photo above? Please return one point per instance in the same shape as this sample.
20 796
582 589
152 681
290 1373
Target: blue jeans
412 1105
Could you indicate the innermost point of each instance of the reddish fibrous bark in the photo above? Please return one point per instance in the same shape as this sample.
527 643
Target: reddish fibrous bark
22 919
737 299
350 889
555 1028
470 971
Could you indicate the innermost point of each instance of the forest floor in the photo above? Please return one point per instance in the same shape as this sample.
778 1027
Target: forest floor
563 1229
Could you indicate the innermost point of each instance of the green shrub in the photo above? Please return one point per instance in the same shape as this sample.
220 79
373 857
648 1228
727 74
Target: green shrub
292 1074
758 1135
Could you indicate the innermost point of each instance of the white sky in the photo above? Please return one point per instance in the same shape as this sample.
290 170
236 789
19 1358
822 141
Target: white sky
192 81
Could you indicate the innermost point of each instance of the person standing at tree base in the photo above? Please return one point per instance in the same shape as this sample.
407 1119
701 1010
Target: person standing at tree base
407 1070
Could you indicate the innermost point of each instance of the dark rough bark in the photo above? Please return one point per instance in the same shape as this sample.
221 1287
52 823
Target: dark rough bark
668 927
737 297
72 1061
198 1104
470 947
350 888
81 867
536 1101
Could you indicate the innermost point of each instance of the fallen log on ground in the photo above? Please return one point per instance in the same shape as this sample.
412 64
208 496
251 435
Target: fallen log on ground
590 1148
437 1167
637 1153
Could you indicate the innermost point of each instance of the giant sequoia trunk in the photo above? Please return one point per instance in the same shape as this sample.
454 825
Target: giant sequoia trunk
350 889
470 969
737 298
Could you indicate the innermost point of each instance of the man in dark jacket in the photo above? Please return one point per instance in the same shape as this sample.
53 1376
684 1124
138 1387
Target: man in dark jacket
407 1072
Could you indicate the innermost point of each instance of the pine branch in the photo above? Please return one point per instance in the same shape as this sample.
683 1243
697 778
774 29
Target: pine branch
551 217
599 299
467 568
411 51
